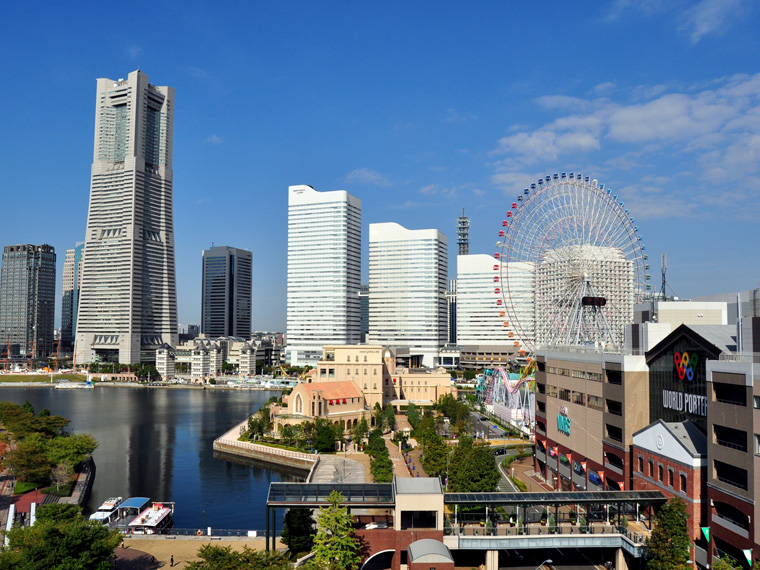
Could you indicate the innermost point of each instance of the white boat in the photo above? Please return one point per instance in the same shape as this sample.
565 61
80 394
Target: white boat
153 520
107 512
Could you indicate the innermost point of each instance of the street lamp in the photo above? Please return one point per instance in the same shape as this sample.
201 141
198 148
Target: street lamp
547 561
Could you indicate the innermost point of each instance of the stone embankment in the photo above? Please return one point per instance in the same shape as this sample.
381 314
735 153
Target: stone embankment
229 443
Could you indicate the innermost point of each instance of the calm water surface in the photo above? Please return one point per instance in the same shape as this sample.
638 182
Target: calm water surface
157 443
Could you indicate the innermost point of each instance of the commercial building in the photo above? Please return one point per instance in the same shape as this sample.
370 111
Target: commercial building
27 300
676 416
72 274
324 271
408 272
128 294
367 372
226 292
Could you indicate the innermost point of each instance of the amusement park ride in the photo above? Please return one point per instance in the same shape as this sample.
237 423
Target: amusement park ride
571 267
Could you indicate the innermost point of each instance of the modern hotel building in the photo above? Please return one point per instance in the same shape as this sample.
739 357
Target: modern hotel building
324 271
408 272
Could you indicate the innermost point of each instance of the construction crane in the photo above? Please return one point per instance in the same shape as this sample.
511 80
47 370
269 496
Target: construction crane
57 354
74 364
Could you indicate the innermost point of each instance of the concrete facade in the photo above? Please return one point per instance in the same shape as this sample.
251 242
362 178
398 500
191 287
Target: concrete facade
128 295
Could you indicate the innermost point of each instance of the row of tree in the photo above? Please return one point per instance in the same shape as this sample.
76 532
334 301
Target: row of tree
381 465
41 452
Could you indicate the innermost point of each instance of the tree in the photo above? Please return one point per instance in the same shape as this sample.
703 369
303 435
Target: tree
214 557
61 474
287 432
59 512
669 544
60 539
472 468
28 461
325 438
298 530
335 542
389 416
379 416
726 563
413 416
72 449
360 431
434 451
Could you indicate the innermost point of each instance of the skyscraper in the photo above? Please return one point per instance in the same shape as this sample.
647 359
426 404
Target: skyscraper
408 272
27 299
226 292
324 270
128 295
480 319
72 273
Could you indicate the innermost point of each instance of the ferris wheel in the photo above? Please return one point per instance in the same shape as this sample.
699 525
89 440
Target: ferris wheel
572 265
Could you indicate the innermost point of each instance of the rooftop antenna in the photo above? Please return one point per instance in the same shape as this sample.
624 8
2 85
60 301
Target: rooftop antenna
664 259
463 234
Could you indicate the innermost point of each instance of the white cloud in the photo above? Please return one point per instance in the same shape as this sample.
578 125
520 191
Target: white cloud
366 176
214 139
709 16
134 51
700 140
438 190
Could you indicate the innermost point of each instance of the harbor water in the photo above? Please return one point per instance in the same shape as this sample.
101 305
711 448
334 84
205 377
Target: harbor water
157 443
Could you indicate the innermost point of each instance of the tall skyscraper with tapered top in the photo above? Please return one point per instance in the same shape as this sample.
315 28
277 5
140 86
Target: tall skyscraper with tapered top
128 295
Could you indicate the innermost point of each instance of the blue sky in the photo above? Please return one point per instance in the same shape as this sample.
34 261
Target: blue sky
418 108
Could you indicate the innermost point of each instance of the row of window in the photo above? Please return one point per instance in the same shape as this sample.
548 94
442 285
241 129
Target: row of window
582 374
593 402
661 474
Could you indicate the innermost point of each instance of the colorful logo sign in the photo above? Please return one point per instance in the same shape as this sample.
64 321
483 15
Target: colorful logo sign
685 365
563 424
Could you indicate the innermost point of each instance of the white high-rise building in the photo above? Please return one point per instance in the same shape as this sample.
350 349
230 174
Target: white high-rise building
481 320
408 272
128 295
324 271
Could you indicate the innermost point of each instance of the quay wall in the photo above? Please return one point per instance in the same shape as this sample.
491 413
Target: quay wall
228 443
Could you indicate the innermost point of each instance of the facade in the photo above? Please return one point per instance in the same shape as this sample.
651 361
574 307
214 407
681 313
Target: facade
672 458
478 318
72 273
27 299
680 418
226 292
408 272
588 406
451 323
128 294
373 374
324 271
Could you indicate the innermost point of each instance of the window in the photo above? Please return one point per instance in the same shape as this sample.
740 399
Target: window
757 402
651 469
365 358
670 477
659 473
641 464
757 444
683 482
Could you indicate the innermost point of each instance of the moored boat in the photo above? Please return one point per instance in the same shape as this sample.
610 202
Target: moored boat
153 520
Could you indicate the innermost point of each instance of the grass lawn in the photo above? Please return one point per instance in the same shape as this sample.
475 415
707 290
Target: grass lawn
41 378
24 487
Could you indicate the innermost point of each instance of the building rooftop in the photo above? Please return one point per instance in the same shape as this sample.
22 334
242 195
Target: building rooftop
333 390
418 486
428 550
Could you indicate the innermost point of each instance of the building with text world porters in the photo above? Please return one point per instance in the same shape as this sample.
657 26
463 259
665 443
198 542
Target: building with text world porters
128 295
